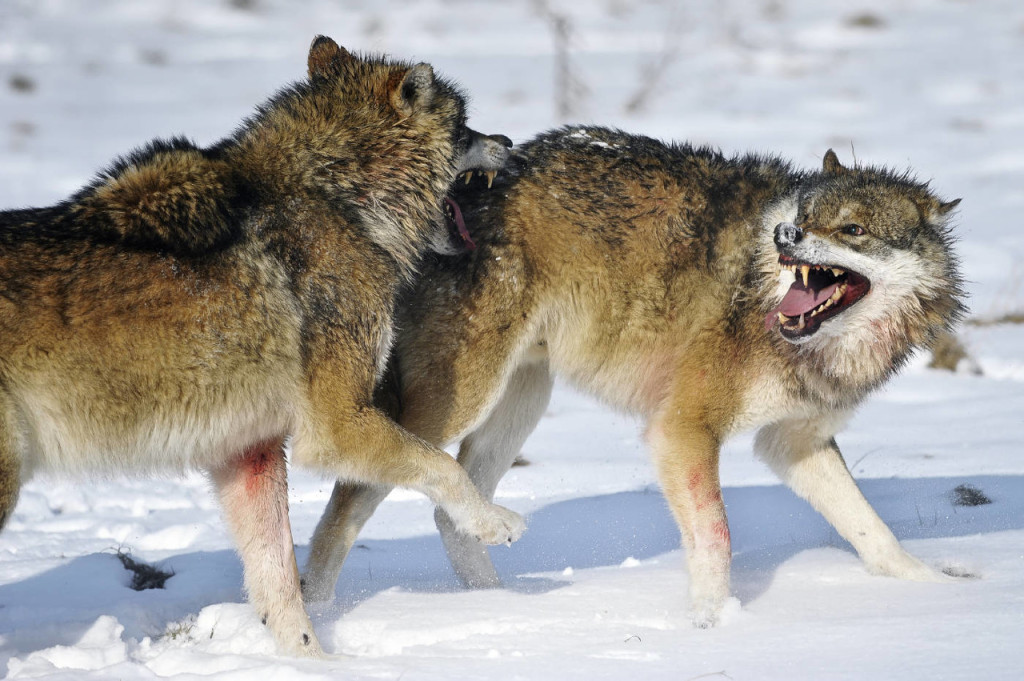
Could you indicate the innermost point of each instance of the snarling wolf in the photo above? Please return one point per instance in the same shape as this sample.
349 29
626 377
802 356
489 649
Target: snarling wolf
707 294
192 308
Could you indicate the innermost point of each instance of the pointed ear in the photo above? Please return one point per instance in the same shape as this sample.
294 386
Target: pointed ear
830 165
415 90
944 208
325 57
935 211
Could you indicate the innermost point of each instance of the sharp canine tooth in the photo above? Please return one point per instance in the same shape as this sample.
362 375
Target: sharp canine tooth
469 176
802 323
837 272
490 177
805 274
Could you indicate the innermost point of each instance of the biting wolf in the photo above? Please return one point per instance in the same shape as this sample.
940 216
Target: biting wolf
709 295
194 308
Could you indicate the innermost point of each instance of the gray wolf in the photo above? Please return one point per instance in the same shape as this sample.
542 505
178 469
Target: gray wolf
194 308
707 294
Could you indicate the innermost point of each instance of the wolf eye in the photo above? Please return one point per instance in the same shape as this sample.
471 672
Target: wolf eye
853 230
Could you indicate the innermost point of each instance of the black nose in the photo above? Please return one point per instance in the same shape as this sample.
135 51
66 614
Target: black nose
787 234
502 139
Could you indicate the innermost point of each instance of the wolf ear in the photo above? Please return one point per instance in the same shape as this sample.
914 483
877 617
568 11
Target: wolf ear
830 165
325 57
415 89
944 208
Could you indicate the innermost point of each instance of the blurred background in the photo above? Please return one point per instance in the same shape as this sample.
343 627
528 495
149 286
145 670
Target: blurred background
932 85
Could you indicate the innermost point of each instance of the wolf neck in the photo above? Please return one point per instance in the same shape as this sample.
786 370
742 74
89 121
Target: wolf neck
365 197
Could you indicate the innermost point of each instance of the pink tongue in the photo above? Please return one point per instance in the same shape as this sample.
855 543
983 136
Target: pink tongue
799 300
460 224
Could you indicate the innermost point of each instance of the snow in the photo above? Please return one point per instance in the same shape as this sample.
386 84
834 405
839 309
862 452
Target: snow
596 588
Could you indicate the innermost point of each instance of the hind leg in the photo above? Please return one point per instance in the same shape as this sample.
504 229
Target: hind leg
253 491
806 457
351 505
487 454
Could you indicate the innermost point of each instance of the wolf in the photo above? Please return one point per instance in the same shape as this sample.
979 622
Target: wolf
706 294
194 308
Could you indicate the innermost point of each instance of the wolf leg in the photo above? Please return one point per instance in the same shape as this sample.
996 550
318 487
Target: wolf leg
10 465
805 456
368 447
686 454
487 454
253 491
351 505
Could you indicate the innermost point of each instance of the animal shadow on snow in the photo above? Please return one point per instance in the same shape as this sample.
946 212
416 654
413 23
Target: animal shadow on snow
769 526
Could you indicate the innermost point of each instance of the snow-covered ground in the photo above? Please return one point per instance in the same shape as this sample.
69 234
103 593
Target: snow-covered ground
596 588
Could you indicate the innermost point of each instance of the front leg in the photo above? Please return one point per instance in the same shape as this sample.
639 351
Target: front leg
253 491
361 444
805 456
686 453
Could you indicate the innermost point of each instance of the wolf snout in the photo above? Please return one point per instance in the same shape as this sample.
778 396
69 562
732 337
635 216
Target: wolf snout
787 234
485 155
502 140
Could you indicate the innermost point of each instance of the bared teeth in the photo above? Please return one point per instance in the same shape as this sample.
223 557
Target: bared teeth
805 274
489 174
832 300
802 324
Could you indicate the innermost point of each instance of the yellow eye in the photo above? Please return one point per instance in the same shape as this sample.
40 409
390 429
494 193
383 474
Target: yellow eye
853 230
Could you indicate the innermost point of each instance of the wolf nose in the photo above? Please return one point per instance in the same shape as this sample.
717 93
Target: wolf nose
501 139
787 234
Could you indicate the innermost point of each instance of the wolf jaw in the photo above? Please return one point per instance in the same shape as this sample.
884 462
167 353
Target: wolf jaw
485 156
818 293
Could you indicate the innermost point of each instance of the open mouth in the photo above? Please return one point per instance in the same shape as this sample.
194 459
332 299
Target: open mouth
489 174
819 293
454 216
453 213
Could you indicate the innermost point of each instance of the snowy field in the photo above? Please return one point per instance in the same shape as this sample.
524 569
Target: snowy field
596 588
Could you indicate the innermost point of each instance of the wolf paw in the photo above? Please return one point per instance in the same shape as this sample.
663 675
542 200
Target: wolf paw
902 565
294 633
706 613
497 525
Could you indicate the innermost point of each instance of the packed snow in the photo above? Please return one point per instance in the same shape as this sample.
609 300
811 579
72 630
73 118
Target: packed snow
596 588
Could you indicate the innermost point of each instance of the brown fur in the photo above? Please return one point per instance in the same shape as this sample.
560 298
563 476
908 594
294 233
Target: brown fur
192 308
643 273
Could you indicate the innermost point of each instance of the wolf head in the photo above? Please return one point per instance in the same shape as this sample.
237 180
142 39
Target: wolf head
863 269
385 138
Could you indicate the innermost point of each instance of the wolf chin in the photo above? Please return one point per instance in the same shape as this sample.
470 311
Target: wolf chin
192 308
706 294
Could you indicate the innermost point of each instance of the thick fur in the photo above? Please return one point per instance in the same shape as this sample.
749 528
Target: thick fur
193 308
643 273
